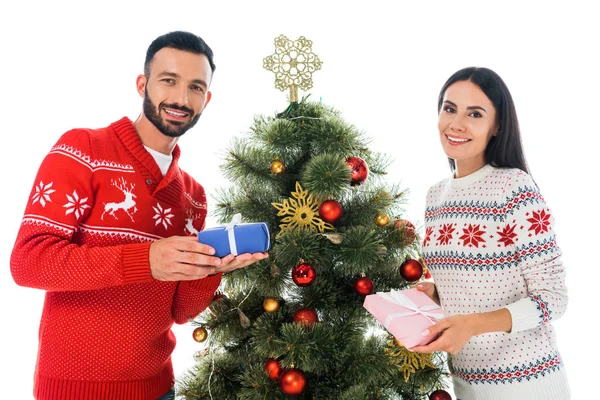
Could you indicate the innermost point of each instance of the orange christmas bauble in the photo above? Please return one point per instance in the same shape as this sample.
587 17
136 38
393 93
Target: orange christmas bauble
271 304
277 167
382 219
200 334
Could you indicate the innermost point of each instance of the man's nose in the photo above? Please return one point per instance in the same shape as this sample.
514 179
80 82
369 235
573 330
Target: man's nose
180 96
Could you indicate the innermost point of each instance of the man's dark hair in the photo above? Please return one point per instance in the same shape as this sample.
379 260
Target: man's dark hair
179 40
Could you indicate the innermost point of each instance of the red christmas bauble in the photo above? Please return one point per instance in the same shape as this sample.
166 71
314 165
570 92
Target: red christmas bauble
330 211
411 270
359 170
306 316
363 286
408 230
303 274
273 369
428 275
440 395
292 382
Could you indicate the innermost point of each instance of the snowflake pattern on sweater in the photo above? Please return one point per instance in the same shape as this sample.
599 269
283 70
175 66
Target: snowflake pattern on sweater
489 243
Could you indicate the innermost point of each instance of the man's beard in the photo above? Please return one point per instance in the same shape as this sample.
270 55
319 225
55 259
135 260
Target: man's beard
172 129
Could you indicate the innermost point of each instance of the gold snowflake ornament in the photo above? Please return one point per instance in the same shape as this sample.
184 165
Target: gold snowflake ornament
300 210
293 64
407 361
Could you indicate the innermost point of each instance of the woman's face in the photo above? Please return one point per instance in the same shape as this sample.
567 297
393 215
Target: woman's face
467 122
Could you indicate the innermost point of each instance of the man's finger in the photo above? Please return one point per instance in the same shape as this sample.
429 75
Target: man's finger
198 259
197 271
185 244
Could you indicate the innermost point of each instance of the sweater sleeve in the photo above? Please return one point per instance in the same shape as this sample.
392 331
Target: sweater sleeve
192 297
45 254
537 255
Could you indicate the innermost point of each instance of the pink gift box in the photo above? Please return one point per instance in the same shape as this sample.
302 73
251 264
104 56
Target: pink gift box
405 314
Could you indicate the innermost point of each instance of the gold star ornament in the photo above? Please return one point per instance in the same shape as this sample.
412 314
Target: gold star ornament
293 64
407 361
300 211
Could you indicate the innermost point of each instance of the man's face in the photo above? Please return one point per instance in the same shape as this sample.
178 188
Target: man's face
176 90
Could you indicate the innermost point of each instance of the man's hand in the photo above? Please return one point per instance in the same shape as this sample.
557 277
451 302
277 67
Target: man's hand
183 258
231 262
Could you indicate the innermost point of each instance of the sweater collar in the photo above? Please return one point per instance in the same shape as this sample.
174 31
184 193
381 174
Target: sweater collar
466 181
126 132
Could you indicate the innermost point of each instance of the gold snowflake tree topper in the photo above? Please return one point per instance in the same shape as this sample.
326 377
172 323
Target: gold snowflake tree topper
300 211
293 64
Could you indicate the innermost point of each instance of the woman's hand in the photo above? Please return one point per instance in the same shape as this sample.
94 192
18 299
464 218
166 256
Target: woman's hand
429 289
454 332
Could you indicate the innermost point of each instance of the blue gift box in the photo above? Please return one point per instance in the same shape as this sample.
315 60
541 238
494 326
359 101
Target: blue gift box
237 238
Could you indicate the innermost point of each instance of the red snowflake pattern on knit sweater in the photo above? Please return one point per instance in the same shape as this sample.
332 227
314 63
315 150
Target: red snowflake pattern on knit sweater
496 248
539 222
472 236
507 235
445 234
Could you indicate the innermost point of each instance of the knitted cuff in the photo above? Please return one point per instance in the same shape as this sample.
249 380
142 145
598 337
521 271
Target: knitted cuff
136 263
524 315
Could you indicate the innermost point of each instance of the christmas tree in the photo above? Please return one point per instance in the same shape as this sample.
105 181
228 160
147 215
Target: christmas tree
294 324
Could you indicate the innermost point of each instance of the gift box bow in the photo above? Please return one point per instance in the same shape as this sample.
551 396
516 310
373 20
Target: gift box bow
236 220
397 297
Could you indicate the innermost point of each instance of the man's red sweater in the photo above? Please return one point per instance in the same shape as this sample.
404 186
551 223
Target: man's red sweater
98 201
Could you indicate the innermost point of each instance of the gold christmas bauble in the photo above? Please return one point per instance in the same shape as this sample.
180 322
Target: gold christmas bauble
382 219
277 167
200 334
271 304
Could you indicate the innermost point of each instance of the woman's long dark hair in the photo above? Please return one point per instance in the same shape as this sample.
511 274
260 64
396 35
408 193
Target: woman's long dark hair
505 149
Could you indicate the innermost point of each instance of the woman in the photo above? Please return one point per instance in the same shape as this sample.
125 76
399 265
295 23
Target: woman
490 245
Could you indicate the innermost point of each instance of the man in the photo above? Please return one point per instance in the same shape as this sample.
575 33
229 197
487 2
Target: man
109 233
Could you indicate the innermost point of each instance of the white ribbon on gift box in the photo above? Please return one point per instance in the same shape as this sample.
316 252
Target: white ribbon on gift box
400 298
236 220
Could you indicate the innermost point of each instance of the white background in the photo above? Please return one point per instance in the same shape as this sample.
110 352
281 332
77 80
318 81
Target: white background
74 65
